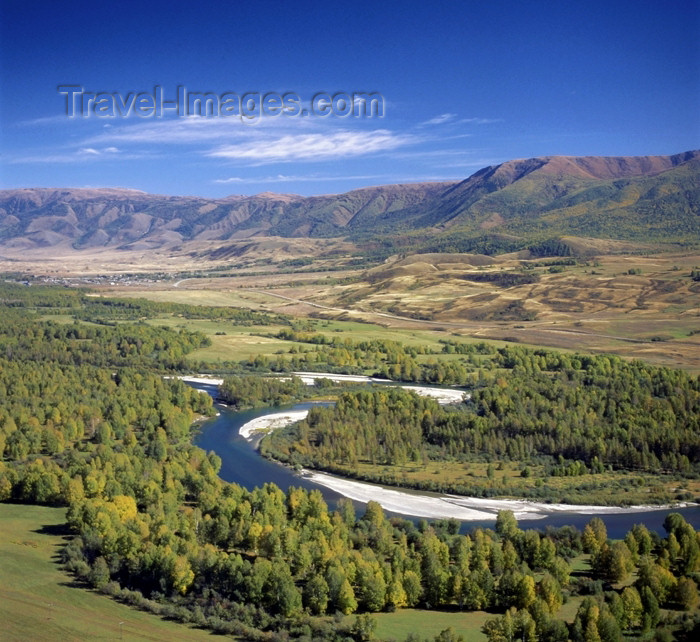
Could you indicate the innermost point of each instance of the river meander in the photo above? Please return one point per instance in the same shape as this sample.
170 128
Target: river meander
242 464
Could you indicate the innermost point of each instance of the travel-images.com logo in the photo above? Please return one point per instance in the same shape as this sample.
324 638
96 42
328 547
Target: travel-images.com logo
248 106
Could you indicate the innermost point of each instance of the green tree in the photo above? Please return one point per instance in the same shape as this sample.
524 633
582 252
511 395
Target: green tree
412 587
650 605
449 635
550 591
608 628
506 524
660 580
281 592
687 593
371 587
501 629
633 608
364 627
316 594
613 562
99 573
525 595
345 601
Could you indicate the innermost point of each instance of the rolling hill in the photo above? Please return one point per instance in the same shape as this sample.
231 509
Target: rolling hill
501 206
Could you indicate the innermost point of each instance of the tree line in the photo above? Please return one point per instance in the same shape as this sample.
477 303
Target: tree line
84 304
577 414
23 337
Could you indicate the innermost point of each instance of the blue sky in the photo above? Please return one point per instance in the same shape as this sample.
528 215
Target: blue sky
465 84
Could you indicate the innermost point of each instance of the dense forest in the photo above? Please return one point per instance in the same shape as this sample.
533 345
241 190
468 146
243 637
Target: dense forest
575 415
251 391
87 421
24 338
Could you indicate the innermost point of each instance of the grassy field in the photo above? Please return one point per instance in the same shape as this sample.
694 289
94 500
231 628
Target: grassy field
195 296
240 342
230 342
39 602
398 625
593 306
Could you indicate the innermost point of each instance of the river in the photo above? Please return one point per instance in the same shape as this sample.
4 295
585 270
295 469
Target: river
241 464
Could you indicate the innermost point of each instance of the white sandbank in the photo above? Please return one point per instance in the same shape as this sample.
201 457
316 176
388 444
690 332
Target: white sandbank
441 395
462 508
270 422
309 378
212 381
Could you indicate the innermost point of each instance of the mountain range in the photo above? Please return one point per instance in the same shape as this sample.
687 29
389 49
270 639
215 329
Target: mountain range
629 198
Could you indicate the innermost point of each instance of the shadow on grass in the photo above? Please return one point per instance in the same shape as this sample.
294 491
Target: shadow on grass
57 530
76 583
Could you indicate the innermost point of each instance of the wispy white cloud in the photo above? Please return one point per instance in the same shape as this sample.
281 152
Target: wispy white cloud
304 178
313 178
313 147
46 120
434 143
452 119
468 166
435 153
440 120
82 155
197 129
480 121
265 142
452 159
91 151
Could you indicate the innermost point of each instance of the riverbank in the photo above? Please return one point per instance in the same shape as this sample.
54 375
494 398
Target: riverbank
435 506
466 509
270 422
416 503
441 395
